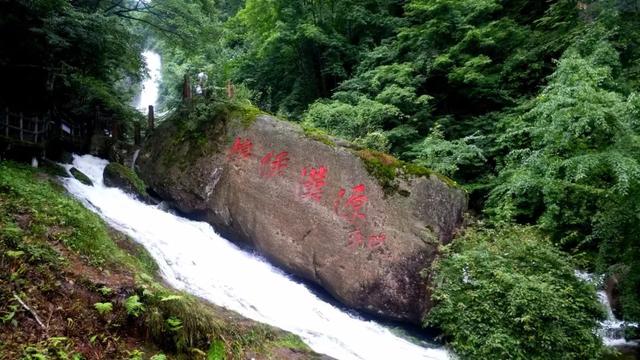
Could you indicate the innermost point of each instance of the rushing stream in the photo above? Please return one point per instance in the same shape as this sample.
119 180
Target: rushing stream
611 329
194 258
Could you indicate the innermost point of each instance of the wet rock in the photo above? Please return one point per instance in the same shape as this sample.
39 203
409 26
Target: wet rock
612 289
311 207
54 168
117 175
80 176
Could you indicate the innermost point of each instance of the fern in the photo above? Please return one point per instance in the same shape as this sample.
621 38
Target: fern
133 306
103 308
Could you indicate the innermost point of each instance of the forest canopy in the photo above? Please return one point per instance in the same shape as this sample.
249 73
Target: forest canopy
532 106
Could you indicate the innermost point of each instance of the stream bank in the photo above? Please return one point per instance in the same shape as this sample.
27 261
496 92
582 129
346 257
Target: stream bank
72 286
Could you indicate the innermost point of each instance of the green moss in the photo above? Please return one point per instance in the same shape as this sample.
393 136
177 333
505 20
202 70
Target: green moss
199 123
245 113
81 176
123 172
418 171
383 167
386 168
317 134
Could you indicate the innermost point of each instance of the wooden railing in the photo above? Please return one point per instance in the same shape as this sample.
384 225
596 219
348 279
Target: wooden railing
37 129
28 129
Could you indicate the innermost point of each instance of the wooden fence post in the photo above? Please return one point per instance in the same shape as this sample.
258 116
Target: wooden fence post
151 118
6 124
186 88
115 130
230 89
136 133
21 128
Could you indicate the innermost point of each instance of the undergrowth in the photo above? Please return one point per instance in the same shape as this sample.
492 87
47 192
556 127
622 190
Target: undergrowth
114 303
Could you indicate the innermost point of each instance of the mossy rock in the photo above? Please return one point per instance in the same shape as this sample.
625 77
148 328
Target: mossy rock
80 176
385 168
317 135
54 169
117 175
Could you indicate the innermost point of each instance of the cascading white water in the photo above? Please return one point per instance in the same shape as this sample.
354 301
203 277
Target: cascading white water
194 258
149 93
611 329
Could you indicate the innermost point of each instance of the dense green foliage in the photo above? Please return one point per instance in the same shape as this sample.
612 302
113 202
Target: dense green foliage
531 105
508 294
80 61
67 58
573 164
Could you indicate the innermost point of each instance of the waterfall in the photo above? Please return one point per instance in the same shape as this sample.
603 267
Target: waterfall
192 257
149 93
135 157
611 329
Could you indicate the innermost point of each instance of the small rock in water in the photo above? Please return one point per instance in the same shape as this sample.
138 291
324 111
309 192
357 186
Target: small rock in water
80 176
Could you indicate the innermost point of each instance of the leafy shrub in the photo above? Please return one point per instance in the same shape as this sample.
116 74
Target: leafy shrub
216 350
376 140
447 157
509 294
573 165
174 324
352 121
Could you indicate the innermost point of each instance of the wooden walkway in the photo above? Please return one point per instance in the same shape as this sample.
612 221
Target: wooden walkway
30 130
34 130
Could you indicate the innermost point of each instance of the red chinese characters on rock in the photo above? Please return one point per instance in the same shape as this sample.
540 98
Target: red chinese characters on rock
272 165
352 210
313 183
356 239
350 207
376 240
241 148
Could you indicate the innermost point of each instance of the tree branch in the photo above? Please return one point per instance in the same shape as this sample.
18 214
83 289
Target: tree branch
163 29
30 310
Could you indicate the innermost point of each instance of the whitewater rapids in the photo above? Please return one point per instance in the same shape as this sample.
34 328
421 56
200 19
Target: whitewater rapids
194 258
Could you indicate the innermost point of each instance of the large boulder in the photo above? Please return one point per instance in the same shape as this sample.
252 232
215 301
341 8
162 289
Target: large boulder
311 207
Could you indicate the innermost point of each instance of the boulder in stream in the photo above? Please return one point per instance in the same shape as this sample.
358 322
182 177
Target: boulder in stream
360 224
80 176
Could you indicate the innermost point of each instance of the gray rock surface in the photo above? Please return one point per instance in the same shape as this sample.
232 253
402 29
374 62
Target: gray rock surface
309 207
